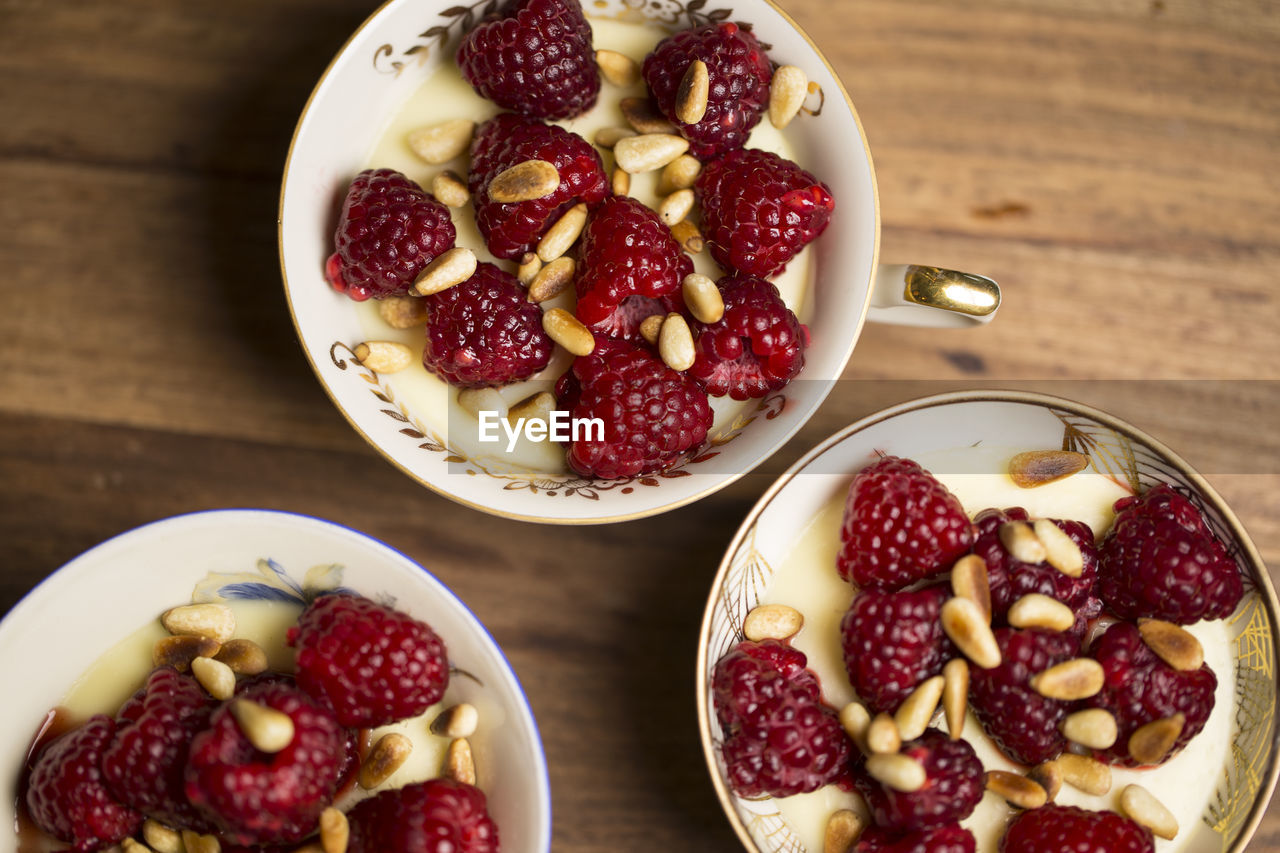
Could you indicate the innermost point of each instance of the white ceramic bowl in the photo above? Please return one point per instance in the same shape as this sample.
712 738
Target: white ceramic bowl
98 599
1240 777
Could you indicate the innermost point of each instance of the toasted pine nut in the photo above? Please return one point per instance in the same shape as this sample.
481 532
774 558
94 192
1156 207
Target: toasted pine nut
1093 727
447 269
539 406
442 142
563 234
1060 551
477 400
1021 542
201 620
180 650
266 728
692 93
1017 790
1084 773
526 181
383 356
1150 744
856 720
403 312
955 695
648 151
787 91
215 677
1173 644
882 735
458 721
897 771
688 236
967 627
915 712
1141 806
530 263
449 189
388 755
675 343
607 137
568 331
650 327
245 657
680 174
553 279
1038 467
969 580
772 622
1040 611
643 115
843 828
618 68
675 207
334 831
702 297
459 765
1048 776
620 182
1078 678
197 843
161 838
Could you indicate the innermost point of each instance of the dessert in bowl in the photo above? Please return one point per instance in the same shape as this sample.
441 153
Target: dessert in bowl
896 651
241 580
396 99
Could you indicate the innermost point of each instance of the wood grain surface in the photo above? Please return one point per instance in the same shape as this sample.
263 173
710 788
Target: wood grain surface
1113 163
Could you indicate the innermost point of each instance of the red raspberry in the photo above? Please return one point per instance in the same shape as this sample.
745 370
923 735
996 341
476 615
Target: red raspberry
510 230
66 796
653 416
739 73
1023 723
372 665
484 332
780 739
1011 579
1161 560
1141 688
953 788
892 642
143 767
943 839
259 798
755 348
630 268
437 816
389 230
534 57
900 525
1067 829
759 210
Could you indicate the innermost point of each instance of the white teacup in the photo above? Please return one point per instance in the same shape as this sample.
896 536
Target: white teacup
390 57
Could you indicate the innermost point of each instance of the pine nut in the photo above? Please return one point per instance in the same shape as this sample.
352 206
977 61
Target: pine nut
387 756
897 771
403 312
553 279
915 712
648 151
692 93
266 728
856 720
539 406
1078 678
568 331
179 651
383 356
969 580
955 695
1060 551
129 845
449 189
650 327
772 622
459 721
787 91
643 115
675 343
620 182
442 142
967 627
1150 744
161 838
1041 611
459 765
1048 776
334 831
1017 790
215 621
1021 542
245 657
1172 644
680 174
215 677
1141 806
1038 467
197 843
1084 773
563 234
477 400
1093 727
843 828
530 263
448 268
675 207
618 68
527 181
882 735
607 137
702 297
688 236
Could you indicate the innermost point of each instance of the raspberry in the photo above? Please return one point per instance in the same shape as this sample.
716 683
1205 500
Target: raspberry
259 798
1161 560
143 766
534 57
484 332
1140 688
437 816
900 525
892 642
630 268
1011 579
757 346
372 665
953 788
66 796
1067 829
780 739
943 839
653 416
510 230
389 230
739 73
1023 723
759 210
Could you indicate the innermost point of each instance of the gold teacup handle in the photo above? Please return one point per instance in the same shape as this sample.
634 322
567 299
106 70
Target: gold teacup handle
911 295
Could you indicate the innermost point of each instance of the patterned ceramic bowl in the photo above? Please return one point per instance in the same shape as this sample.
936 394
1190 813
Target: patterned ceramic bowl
356 115
976 433
116 591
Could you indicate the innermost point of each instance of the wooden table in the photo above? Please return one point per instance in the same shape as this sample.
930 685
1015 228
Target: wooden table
1113 164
